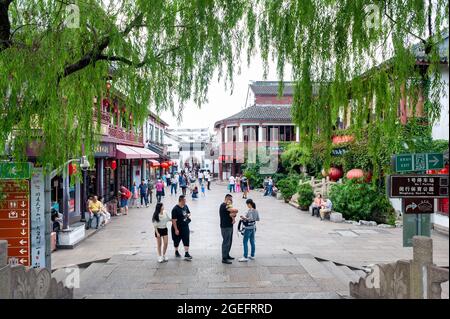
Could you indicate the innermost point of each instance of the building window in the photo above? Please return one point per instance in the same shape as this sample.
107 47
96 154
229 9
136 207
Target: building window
222 133
250 133
230 134
161 136
150 133
156 135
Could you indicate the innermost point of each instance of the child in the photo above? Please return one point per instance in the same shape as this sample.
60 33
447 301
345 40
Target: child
232 210
203 189
195 193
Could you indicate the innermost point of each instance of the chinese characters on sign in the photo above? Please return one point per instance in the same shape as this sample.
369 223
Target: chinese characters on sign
418 186
15 220
37 219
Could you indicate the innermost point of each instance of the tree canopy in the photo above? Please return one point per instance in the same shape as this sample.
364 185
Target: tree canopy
162 53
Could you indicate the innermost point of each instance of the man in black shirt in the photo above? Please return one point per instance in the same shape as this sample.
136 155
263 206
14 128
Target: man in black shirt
227 217
181 217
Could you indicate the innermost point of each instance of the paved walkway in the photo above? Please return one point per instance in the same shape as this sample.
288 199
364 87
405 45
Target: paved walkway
286 240
283 229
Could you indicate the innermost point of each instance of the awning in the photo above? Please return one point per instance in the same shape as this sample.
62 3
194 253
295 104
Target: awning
131 152
154 163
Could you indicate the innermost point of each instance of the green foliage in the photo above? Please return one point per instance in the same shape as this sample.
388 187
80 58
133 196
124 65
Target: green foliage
361 201
288 186
160 55
252 172
335 58
305 195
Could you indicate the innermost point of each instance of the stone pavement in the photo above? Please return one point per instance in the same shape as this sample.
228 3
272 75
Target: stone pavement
284 234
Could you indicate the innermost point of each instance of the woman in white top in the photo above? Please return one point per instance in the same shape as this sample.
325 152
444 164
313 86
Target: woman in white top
160 220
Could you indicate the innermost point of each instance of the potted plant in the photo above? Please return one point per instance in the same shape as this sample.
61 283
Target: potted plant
305 196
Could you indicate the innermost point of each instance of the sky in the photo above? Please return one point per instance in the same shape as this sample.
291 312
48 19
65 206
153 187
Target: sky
221 103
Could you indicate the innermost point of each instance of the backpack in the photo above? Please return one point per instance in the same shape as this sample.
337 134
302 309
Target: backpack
241 227
128 195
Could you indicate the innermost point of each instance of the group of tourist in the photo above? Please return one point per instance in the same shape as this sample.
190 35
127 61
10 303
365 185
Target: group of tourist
238 184
320 207
269 186
181 217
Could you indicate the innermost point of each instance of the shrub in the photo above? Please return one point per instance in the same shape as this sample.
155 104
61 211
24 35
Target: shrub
288 186
357 200
305 195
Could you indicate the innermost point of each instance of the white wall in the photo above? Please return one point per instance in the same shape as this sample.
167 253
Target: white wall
441 127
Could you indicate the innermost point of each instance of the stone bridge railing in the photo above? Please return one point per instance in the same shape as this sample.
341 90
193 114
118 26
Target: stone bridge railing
418 278
20 282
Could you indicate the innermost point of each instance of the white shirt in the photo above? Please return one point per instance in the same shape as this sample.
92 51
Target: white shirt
200 175
232 180
163 220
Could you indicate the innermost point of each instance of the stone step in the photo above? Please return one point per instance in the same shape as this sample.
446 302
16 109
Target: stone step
314 268
354 277
339 274
91 272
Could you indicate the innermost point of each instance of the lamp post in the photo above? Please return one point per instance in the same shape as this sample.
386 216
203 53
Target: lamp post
84 164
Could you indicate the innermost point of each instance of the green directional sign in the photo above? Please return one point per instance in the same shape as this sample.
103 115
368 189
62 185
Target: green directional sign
435 160
418 162
10 170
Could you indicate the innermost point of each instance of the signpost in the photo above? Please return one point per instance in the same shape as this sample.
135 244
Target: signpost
10 170
15 219
417 193
418 162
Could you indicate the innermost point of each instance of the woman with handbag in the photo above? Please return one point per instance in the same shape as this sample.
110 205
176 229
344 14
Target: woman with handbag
249 221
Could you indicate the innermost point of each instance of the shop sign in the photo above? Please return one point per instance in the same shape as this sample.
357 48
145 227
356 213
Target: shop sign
105 150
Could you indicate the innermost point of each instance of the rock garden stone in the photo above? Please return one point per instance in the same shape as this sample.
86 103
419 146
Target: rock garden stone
336 217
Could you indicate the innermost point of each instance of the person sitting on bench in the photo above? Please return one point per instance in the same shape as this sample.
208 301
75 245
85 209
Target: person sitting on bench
317 204
326 209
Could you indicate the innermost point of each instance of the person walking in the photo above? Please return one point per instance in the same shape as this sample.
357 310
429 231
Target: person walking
231 183
269 186
227 215
181 217
200 177
160 220
208 180
135 196
245 187
143 188
183 184
238 184
173 185
125 195
168 179
150 187
159 190
249 221
265 185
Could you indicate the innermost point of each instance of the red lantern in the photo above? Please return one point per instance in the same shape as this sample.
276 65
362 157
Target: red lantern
335 173
72 169
113 164
164 165
355 173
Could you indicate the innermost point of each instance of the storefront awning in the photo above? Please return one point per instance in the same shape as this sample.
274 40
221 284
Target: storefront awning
131 152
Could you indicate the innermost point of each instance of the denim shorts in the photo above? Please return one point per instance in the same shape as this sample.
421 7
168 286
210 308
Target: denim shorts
123 202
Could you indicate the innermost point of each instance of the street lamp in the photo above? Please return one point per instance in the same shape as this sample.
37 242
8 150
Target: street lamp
84 164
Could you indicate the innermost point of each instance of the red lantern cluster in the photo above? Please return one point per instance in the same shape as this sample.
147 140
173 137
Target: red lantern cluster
355 173
165 165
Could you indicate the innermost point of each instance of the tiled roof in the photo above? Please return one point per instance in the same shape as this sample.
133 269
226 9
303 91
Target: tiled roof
419 49
271 88
275 113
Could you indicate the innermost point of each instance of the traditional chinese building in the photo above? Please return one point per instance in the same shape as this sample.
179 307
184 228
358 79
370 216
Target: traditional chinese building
263 125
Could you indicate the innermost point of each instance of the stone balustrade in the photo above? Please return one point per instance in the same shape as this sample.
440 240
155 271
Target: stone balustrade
418 278
20 282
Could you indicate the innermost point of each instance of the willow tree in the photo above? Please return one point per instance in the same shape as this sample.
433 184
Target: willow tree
56 56
353 58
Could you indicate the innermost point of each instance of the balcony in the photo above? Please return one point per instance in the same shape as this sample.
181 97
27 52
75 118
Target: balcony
116 134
